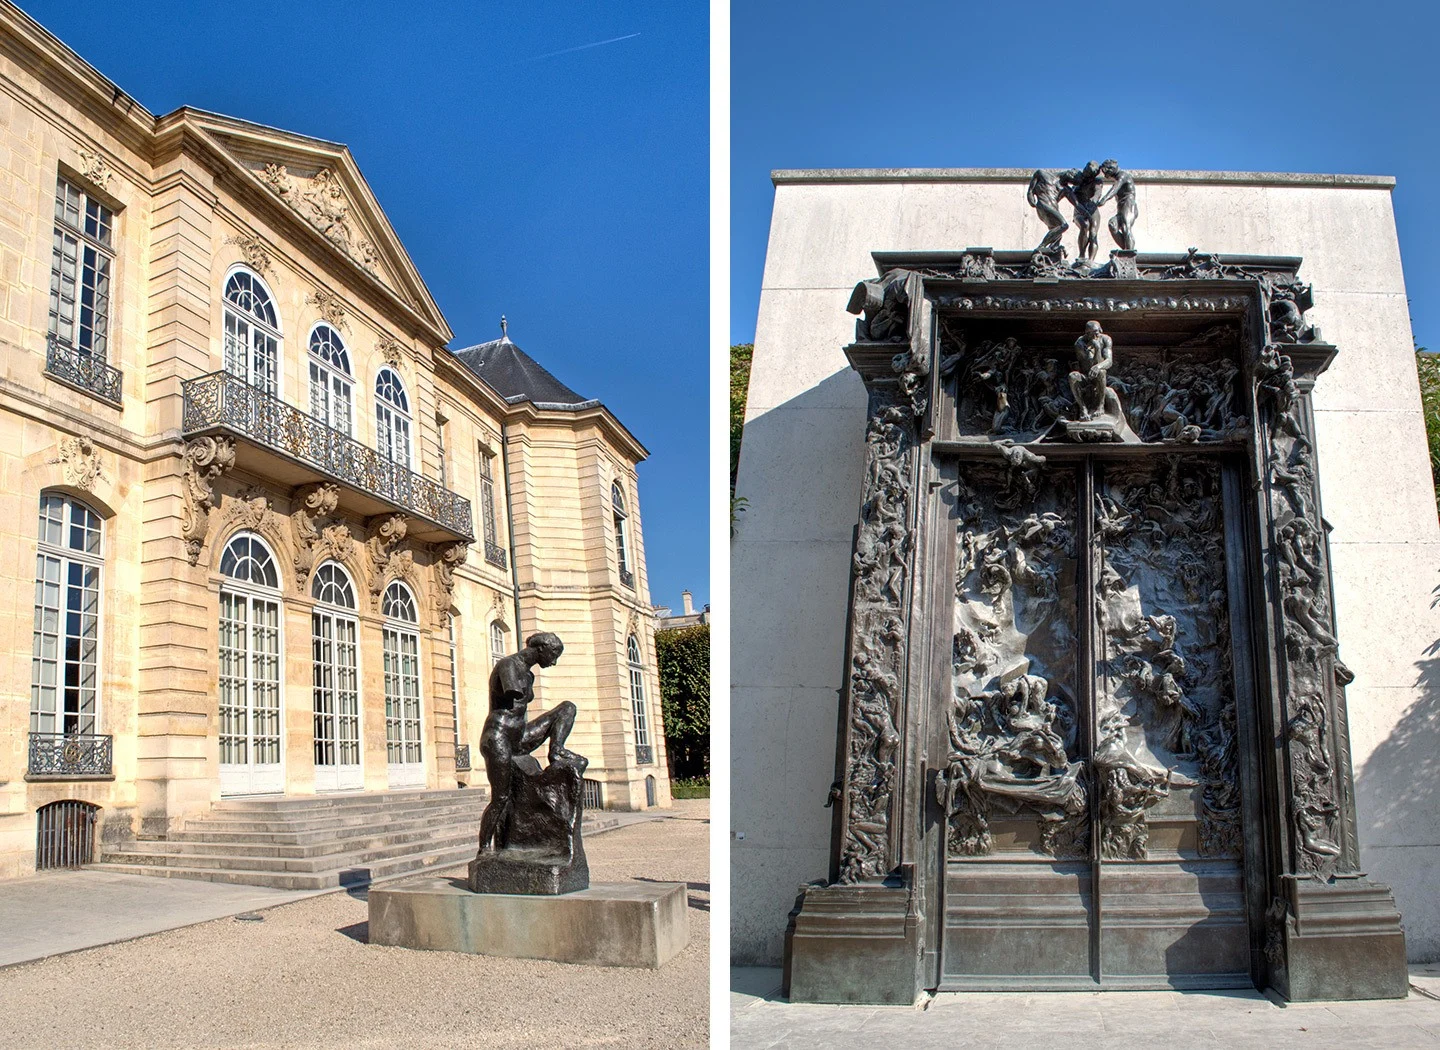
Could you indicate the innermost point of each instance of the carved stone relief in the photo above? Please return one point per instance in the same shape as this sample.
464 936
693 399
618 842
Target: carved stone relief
311 503
1014 724
80 462
204 460
390 350
322 202
95 167
330 305
448 558
386 531
253 250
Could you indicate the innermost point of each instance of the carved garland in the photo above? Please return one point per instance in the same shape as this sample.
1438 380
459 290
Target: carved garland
253 250
322 202
331 307
203 461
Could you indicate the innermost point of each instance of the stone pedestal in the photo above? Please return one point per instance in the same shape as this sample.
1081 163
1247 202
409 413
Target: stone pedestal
610 924
1342 941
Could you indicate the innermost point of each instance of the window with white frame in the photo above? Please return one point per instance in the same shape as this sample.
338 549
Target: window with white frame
64 666
331 397
334 668
81 260
401 646
454 678
392 417
637 701
622 550
497 642
252 332
249 653
487 497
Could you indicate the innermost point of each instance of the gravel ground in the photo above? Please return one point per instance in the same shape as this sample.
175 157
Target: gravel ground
305 977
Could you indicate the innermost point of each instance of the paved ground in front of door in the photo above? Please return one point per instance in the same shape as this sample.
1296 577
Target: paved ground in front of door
306 977
64 911
760 1019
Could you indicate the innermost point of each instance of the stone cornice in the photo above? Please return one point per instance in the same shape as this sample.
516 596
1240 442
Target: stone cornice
782 176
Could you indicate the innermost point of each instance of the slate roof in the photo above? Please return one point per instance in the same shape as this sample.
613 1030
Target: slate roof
516 376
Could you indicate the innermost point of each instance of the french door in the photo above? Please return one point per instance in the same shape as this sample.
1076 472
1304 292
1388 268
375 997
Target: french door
249 695
402 708
336 701
1091 788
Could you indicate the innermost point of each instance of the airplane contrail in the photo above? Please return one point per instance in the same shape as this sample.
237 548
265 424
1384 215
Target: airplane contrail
582 47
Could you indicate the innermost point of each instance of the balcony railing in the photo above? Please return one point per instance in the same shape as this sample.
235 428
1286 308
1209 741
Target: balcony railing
462 758
83 371
67 755
222 400
644 755
495 555
627 578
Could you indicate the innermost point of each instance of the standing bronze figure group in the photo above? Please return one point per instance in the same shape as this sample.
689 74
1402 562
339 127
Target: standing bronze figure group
1083 188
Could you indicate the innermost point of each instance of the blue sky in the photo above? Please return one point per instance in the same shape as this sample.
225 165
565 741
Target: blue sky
1259 86
567 192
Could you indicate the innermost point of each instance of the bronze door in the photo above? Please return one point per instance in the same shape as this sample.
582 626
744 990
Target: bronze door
1090 788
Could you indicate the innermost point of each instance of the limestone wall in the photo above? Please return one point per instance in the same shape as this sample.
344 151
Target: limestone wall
800 469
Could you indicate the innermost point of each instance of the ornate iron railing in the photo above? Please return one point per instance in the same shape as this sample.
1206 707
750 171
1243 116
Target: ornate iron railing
495 555
223 401
644 755
83 371
462 758
70 755
627 578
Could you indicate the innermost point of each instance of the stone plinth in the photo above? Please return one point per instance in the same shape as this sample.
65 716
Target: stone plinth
610 924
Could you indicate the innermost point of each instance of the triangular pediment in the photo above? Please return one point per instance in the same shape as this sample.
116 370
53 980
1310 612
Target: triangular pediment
319 183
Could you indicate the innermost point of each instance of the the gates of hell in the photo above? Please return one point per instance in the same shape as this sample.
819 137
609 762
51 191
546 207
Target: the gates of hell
1093 731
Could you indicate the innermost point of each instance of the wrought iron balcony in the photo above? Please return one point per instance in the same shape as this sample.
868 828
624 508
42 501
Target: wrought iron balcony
221 401
495 555
70 755
462 758
83 371
644 755
627 578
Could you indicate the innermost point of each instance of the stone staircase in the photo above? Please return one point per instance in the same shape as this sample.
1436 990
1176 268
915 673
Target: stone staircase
316 842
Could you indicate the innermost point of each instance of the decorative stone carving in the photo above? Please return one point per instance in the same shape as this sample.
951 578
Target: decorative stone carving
448 558
253 250
386 531
390 350
204 460
885 302
95 167
330 305
311 503
80 462
530 831
250 508
322 202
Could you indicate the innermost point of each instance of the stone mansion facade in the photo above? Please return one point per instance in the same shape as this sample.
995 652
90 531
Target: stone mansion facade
262 532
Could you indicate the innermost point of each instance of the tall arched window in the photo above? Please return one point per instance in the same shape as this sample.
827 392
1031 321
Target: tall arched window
643 754
330 387
622 539
252 332
497 642
335 675
249 652
64 666
392 417
402 686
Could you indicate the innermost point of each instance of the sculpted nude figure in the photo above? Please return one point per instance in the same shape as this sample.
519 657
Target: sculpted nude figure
1094 354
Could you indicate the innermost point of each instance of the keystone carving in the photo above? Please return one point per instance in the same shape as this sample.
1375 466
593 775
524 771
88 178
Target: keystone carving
253 250
390 350
80 461
204 460
330 305
95 167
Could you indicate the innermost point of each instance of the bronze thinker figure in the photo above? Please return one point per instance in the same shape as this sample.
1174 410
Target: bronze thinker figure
530 831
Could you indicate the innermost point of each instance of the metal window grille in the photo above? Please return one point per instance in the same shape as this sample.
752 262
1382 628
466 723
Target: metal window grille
65 835
649 791
462 758
594 794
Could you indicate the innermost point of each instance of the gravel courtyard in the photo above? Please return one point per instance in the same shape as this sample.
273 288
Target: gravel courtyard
305 977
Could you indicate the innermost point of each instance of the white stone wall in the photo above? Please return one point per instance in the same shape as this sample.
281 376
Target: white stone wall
800 469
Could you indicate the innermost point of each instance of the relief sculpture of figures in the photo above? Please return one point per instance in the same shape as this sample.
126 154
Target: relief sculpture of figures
885 302
530 832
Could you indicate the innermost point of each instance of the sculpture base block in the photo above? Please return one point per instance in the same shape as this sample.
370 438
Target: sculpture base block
1343 941
1088 430
854 945
610 924
528 871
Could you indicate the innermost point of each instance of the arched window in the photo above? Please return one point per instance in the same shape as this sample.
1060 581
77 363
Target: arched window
392 417
497 642
335 675
252 333
64 666
401 646
622 547
249 653
330 379
643 754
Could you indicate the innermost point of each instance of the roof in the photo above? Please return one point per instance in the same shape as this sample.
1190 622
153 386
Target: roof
516 376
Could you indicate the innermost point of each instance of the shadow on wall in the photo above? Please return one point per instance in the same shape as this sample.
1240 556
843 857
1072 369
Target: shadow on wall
801 467
1398 796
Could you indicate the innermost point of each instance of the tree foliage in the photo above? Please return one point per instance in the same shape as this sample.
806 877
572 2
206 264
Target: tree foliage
683 656
739 387
1428 365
